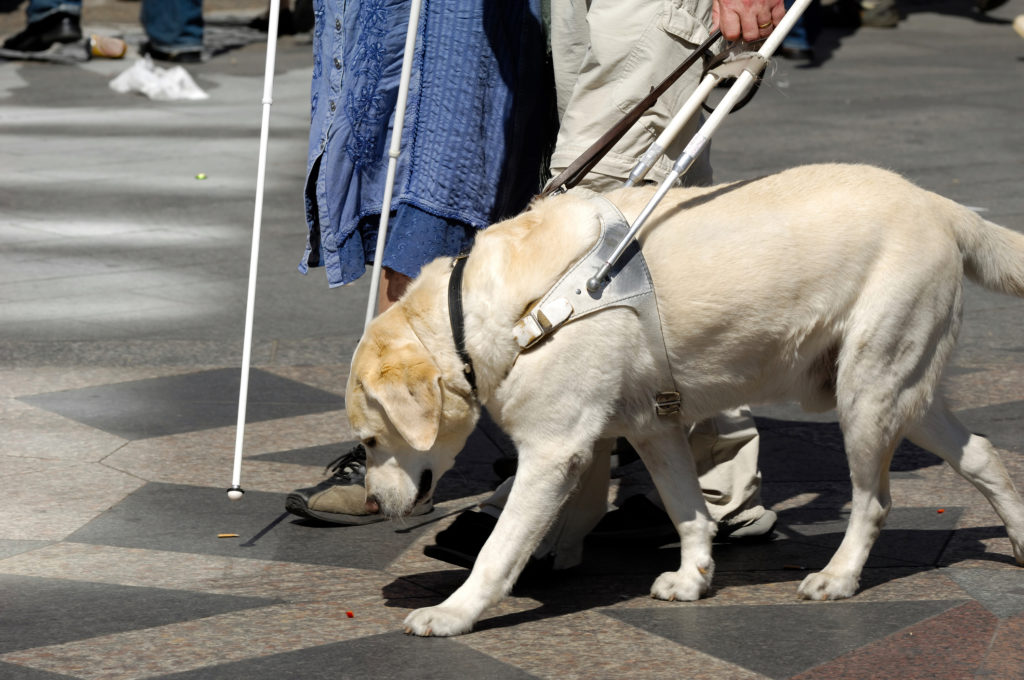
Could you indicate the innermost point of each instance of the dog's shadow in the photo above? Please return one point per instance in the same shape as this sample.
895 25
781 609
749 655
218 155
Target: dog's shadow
805 472
616 572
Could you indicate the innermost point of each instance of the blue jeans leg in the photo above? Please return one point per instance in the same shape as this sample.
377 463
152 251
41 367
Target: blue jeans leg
173 25
805 30
40 9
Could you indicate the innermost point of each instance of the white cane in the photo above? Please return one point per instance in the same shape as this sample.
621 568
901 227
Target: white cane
396 142
235 492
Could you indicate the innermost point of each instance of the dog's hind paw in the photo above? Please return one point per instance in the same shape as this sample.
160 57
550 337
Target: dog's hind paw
438 621
825 586
673 585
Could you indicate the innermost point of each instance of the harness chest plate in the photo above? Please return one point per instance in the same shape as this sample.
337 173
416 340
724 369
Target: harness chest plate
629 285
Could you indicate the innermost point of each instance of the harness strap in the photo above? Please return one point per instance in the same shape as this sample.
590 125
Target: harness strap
630 286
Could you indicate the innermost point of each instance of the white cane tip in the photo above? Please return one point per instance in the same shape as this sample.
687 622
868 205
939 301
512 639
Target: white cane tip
234 493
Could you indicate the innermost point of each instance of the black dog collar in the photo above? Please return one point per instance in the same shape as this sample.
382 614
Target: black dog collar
457 321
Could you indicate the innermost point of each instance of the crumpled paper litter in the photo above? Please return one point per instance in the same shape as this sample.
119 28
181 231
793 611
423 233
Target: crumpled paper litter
157 83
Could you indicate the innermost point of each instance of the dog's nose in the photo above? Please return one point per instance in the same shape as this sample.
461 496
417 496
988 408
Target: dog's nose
372 506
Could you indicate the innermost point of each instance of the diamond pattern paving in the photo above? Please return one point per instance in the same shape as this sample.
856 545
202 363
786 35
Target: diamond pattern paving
122 299
781 640
141 409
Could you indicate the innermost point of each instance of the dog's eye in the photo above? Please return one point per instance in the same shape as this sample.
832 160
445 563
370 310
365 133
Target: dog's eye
369 442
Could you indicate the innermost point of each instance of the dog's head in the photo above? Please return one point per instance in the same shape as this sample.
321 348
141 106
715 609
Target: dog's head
410 422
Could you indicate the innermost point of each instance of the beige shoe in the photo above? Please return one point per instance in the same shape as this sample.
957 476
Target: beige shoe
1018 25
341 498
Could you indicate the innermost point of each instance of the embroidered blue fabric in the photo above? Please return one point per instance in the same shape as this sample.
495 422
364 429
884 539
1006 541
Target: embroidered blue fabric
477 124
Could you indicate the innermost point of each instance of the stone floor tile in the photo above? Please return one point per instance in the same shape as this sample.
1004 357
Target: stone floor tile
948 646
1001 592
781 640
38 434
978 389
214 574
196 644
42 612
368 657
189 519
59 497
16 672
184 403
589 644
9 548
1005 655
18 382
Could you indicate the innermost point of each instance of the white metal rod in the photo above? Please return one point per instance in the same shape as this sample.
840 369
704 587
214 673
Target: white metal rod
393 152
701 139
780 32
672 130
235 492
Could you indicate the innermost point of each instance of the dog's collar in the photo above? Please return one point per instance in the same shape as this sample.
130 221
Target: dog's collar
457 320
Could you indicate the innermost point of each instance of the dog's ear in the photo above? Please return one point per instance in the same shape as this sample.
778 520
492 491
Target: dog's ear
409 390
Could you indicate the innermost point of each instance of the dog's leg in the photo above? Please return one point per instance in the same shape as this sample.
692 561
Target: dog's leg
869 449
581 513
670 461
543 482
977 461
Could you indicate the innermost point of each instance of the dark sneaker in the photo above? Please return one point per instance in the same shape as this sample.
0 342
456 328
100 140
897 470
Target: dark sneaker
841 14
341 498
462 541
623 454
878 14
184 55
38 36
986 5
639 519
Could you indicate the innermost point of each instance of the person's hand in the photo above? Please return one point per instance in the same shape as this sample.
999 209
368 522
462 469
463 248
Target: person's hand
748 19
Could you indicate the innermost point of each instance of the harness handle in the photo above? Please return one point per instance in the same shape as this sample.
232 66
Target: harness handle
714 62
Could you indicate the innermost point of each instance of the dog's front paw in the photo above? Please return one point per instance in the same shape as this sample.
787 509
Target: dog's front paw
683 585
440 621
825 586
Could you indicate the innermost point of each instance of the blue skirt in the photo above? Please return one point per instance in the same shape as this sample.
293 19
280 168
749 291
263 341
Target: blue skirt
478 123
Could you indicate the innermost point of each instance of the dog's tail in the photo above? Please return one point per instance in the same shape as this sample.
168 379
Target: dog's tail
993 255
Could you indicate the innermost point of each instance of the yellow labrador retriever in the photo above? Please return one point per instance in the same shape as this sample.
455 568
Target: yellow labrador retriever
833 285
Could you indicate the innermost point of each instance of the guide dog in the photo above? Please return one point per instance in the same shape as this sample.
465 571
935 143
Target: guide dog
838 286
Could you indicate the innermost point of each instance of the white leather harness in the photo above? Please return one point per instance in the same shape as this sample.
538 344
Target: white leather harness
629 285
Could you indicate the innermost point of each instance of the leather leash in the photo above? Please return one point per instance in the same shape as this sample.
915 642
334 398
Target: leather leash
579 168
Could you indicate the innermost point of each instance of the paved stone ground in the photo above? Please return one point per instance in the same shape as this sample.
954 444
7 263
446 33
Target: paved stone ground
122 289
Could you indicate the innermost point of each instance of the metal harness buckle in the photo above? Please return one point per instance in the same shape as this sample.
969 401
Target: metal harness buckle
667 403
